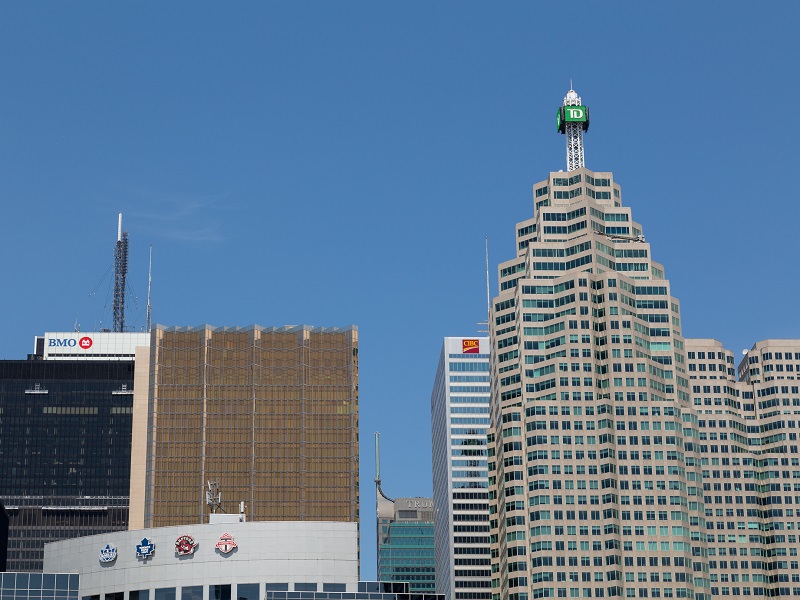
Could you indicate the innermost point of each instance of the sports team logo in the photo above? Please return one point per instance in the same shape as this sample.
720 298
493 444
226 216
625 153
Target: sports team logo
185 545
470 346
85 342
108 554
226 543
145 549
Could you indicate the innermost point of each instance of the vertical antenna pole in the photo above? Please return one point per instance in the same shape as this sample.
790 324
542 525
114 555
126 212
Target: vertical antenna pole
120 274
149 282
377 458
488 295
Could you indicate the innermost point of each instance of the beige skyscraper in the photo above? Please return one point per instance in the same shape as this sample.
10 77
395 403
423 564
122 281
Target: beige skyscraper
624 460
271 413
593 488
748 433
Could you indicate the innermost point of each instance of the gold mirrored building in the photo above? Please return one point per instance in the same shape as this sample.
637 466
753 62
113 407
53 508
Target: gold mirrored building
270 413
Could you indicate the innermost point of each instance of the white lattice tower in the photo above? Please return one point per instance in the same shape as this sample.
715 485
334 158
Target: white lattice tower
574 134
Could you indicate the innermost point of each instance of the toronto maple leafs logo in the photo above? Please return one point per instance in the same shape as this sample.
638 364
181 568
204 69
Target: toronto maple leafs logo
145 549
108 554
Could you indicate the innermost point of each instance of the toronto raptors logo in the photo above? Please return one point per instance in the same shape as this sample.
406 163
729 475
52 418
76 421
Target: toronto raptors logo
185 545
226 543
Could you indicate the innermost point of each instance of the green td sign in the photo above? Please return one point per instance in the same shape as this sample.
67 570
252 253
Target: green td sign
572 114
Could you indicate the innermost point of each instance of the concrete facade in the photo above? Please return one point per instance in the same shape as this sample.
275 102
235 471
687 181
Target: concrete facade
290 553
594 489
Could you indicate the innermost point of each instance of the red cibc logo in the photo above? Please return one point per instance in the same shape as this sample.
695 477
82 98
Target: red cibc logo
85 343
470 347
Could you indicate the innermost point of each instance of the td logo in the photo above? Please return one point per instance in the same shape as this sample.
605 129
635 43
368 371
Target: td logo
85 343
575 113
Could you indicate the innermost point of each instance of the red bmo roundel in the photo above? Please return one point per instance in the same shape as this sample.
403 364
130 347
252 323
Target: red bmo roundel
85 342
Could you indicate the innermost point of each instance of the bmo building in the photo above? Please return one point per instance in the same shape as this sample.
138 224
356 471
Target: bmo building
65 447
77 345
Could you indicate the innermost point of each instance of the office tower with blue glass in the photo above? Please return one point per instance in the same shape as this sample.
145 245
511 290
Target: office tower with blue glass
405 542
404 537
459 421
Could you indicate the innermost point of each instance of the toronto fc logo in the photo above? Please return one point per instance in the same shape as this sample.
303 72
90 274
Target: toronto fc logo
185 545
226 543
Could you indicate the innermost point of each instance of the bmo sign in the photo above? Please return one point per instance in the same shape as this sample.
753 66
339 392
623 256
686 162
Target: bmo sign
85 342
99 345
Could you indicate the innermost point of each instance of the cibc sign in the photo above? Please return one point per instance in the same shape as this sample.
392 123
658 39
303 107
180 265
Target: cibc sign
84 343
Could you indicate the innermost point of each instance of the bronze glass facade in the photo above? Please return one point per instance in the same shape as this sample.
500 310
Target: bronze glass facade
271 413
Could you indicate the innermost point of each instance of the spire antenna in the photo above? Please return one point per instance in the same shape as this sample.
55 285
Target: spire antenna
149 282
120 275
572 120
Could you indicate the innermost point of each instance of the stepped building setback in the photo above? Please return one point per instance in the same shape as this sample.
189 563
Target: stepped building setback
624 460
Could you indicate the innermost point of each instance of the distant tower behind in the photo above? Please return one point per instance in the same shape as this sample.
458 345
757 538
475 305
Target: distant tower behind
120 274
572 120
405 537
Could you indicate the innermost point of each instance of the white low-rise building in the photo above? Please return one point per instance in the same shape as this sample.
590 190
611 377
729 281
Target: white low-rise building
218 561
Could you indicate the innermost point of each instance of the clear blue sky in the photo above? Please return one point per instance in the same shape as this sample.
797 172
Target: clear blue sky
340 163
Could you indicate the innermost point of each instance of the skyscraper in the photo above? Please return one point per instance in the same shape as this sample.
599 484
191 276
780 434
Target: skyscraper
405 541
595 488
747 438
459 420
269 413
404 537
65 435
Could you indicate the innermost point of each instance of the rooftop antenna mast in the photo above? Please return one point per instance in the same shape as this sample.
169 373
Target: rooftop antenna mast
379 491
120 274
149 282
213 496
572 120
488 301
378 458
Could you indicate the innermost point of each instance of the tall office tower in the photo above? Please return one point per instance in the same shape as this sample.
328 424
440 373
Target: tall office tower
269 413
65 438
594 487
3 537
405 541
459 420
404 536
751 466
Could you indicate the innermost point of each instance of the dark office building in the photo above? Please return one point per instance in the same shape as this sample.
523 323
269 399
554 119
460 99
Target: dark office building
65 446
3 536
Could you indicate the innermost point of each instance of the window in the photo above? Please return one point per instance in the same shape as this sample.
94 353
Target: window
249 591
217 592
165 593
193 592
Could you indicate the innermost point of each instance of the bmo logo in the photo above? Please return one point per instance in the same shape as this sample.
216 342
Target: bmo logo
85 343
